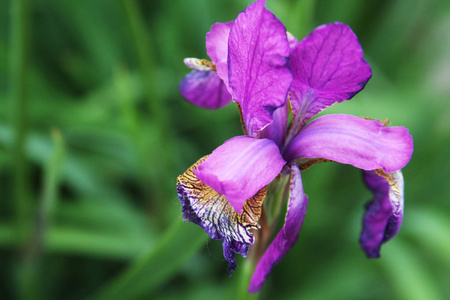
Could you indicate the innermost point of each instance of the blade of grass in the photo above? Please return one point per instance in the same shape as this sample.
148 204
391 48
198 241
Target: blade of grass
82 242
162 161
430 228
31 264
409 277
156 265
20 18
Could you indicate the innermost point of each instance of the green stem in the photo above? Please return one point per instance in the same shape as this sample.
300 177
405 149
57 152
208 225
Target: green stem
30 269
52 176
18 90
246 272
276 196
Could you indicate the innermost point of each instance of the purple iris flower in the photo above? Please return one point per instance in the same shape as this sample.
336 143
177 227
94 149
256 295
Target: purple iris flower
271 75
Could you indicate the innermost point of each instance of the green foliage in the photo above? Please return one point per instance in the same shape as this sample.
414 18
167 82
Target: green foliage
93 133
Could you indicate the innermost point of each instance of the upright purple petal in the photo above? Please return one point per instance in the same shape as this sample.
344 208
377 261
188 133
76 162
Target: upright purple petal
277 129
384 214
365 144
241 167
204 89
288 234
259 76
217 47
328 66
214 214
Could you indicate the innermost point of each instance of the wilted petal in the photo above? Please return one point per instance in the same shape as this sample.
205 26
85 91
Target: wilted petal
204 89
241 167
259 76
212 212
288 234
328 66
217 47
365 144
384 214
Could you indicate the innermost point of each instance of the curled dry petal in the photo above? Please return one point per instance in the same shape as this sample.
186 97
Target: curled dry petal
199 64
212 212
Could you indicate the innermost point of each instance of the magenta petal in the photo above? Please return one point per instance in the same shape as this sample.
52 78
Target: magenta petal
259 76
214 214
217 47
328 66
288 234
365 144
277 129
241 167
204 89
384 214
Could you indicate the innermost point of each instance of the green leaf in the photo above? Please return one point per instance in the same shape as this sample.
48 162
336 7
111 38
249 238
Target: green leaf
408 275
156 265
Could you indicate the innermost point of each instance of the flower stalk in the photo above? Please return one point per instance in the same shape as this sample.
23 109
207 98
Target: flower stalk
244 276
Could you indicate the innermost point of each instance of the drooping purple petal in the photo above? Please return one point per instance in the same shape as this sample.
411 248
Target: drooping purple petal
259 76
288 234
204 89
217 47
328 66
241 167
214 214
384 214
365 144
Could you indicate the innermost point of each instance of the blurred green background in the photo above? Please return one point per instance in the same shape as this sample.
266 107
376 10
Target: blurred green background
93 133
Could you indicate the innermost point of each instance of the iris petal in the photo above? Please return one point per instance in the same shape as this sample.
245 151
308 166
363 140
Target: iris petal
259 76
288 234
204 89
217 48
241 167
276 130
328 66
365 144
384 214
212 212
